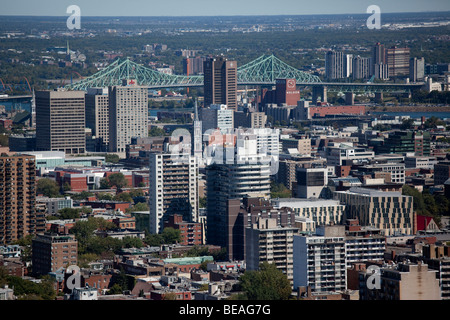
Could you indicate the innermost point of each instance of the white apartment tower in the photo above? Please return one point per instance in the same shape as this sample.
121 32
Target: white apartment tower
128 116
173 188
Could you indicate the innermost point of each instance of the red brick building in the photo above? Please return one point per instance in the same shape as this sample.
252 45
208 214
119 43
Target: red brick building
323 111
191 232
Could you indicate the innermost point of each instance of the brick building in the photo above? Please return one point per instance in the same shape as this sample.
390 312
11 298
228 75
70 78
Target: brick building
191 232
51 252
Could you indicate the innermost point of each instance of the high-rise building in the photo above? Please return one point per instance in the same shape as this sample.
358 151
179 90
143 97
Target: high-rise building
128 114
334 65
381 71
242 214
348 58
173 188
320 263
197 136
220 82
60 121
248 174
266 241
193 65
397 60
217 116
416 69
18 216
379 53
51 252
97 114
286 92
361 67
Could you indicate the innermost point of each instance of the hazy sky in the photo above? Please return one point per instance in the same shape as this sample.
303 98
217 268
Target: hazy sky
213 7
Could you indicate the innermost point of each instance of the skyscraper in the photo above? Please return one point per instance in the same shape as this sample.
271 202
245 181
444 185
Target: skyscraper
361 67
248 175
173 188
60 121
128 114
220 82
416 69
217 116
198 149
334 65
97 113
379 54
18 215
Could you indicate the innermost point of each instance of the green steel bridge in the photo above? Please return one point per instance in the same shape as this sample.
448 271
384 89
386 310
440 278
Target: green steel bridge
259 72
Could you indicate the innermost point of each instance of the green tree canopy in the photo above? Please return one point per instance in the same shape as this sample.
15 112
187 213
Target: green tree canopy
117 180
267 283
47 187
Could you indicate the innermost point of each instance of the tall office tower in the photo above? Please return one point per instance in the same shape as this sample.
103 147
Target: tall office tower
334 65
217 116
173 188
97 113
220 82
265 241
320 263
18 216
416 69
197 143
60 121
128 114
51 252
248 175
397 60
361 67
388 211
379 54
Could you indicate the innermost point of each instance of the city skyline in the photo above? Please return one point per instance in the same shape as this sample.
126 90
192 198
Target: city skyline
211 8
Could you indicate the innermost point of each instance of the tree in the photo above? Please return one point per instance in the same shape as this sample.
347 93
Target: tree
117 180
279 190
267 283
171 235
156 132
113 158
407 124
47 187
